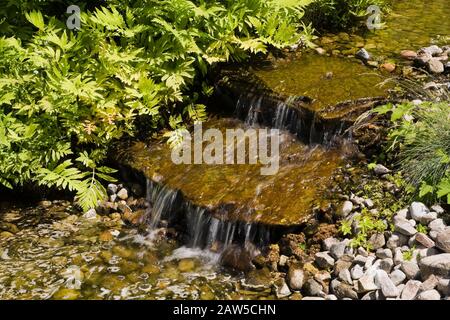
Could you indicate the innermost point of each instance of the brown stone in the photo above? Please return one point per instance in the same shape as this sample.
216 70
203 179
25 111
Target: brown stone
389 67
408 54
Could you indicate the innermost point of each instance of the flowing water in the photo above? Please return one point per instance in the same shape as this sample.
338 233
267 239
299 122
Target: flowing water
52 252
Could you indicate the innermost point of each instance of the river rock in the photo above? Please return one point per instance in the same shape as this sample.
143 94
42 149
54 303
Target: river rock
429 295
381 170
404 227
386 264
324 260
344 290
295 278
411 269
313 288
112 188
410 290
281 289
383 253
237 258
417 210
377 241
363 54
346 208
123 194
435 65
430 283
396 240
386 285
433 50
328 242
357 272
443 286
366 283
443 240
424 240
408 54
389 67
91 214
397 277
345 276
398 256
437 208
438 265
337 250
283 260
437 225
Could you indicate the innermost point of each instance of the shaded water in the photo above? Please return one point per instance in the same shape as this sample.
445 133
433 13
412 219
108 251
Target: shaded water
57 255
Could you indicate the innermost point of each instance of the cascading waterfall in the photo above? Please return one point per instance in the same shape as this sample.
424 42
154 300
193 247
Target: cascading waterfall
164 202
203 230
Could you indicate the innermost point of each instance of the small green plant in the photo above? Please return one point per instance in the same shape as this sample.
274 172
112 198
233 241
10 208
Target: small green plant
345 227
422 229
409 254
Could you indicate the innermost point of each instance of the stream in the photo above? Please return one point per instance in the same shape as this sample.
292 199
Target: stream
49 251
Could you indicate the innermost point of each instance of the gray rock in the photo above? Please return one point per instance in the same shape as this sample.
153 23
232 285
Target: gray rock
386 285
343 290
377 241
411 269
363 54
435 66
283 260
330 297
112 188
368 203
362 252
345 262
328 242
429 295
295 278
357 272
381 170
346 208
113 197
433 50
313 288
437 225
438 265
90 214
312 298
337 250
396 240
397 277
443 286
383 253
420 213
430 283
426 252
345 276
334 284
417 210
324 260
123 194
443 240
361 260
281 289
404 227
386 264
369 262
366 283
370 296
433 234
410 290
438 209
398 256
403 213
424 240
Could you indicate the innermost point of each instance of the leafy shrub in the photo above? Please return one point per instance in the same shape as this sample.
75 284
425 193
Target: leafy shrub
420 141
339 14
66 95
